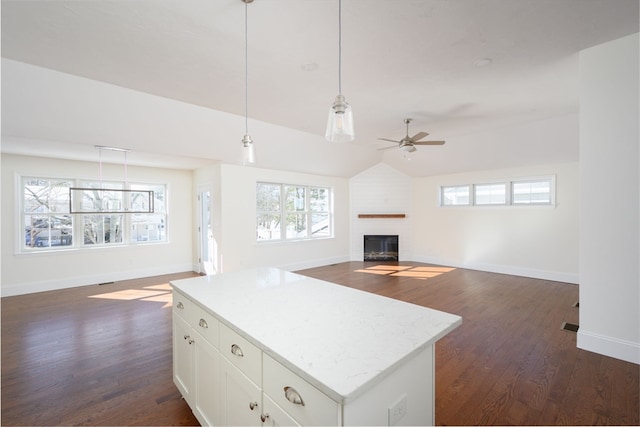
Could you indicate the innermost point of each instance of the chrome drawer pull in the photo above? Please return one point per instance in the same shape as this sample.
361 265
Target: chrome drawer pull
180 305
236 350
203 324
293 396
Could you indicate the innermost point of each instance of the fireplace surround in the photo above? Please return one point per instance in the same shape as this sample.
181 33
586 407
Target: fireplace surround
380 247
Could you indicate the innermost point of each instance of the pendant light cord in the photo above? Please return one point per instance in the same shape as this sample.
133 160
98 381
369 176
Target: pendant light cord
340 47
246 71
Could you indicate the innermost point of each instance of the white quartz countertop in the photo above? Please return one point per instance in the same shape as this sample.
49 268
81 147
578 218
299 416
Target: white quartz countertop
341 340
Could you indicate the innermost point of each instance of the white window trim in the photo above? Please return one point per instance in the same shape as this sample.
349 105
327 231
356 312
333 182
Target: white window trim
283 238
509 193
20 249
441 199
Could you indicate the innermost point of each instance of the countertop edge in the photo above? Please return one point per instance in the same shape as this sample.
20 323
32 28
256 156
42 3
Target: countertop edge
326 389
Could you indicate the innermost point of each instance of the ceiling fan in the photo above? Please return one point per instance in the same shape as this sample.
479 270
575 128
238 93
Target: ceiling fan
407 144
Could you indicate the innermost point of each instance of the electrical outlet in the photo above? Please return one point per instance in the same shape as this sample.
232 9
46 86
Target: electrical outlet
398 410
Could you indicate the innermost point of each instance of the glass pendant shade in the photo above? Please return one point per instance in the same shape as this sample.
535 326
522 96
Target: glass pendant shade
340 122
248 150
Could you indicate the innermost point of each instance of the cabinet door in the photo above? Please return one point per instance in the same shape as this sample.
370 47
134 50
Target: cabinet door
241 401
274 415
207 382
183 358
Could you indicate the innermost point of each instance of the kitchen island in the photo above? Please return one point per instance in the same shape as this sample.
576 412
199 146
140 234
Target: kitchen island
267 346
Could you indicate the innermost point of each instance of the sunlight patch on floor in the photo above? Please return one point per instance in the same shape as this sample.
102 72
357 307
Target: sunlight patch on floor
406 271
156 293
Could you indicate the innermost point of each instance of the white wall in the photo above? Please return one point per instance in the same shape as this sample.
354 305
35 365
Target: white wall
381 189
50 110
236 231
609 207
34 272
532 241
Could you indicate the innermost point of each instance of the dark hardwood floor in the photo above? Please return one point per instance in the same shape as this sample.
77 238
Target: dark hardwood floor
101 355
510 362
93 355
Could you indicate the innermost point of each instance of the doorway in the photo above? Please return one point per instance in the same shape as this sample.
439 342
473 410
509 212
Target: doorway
206 254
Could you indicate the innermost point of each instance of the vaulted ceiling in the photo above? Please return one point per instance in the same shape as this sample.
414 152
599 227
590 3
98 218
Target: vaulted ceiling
476 73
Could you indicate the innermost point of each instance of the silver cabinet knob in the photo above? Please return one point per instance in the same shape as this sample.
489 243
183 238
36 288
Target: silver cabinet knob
180 305
203 324
253 405
293 396
236 350
264 417
186 337
191 341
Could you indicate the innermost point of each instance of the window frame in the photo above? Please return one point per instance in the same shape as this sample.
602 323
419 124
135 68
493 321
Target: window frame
443 199
284 214
506 185
510 198
79 219
552 191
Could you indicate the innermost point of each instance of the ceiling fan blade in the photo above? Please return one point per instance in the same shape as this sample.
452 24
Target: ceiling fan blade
390 140
386 148
428 143
418 136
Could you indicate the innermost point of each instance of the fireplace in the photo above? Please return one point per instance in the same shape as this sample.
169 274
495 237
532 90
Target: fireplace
380 248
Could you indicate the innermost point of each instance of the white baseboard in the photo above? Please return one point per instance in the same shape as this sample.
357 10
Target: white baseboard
613 347
72 282
505 269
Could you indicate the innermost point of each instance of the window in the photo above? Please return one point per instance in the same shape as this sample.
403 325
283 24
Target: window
532 192
45 205
535 191
292 212
102 229
490 194
149 227
48 224
455 196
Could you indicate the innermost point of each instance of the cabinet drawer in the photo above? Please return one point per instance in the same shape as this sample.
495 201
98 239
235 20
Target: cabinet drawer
182 306
312 408
246 356
206 325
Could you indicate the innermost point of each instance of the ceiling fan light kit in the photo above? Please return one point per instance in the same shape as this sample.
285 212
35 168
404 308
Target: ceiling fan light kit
408 144
340 122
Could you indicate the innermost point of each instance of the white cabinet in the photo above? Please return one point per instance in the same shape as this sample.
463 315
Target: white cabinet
366 361
273 415
299 399
241 398
183 365
207 382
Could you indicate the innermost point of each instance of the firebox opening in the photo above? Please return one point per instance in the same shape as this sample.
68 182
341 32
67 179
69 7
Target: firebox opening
380 248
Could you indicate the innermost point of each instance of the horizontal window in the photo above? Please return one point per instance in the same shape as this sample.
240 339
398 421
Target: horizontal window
532 192
455 195
536 191
490 194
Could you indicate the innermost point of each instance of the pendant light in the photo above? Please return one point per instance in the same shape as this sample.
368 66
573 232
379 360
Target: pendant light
340 122
248 149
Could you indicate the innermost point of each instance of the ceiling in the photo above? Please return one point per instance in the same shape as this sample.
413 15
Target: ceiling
466 71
